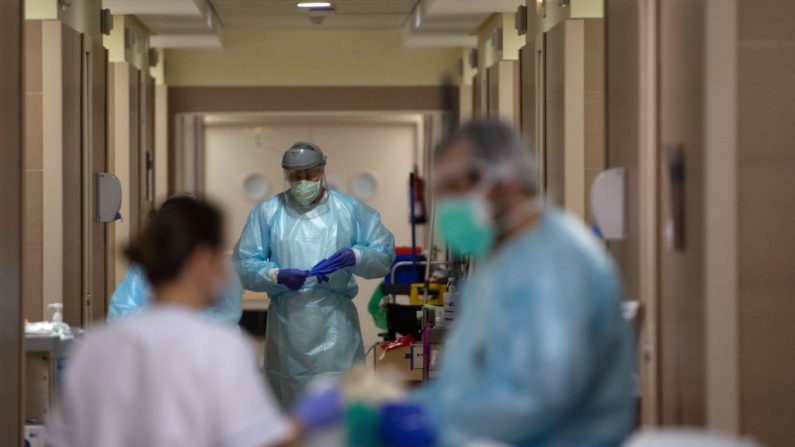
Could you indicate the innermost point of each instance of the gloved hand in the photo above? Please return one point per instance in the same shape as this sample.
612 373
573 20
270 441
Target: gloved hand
339 260
293 279
320 407
345 257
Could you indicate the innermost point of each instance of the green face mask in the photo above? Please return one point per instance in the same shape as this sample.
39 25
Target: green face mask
466 225
305 191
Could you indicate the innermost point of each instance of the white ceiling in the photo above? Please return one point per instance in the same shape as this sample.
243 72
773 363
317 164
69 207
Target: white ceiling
174 23
188 23
451 22
352 14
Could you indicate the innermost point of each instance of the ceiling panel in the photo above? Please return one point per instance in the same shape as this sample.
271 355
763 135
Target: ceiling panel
360 14
161 24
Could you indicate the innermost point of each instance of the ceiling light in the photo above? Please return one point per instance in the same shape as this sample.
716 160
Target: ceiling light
311 5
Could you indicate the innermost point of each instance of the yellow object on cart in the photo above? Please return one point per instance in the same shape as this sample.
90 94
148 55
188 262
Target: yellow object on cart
435 294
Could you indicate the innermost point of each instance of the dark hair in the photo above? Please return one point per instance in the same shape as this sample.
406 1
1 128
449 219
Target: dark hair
180 226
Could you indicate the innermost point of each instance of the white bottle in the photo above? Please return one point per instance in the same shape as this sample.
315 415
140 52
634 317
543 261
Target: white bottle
57 317
449 302
58 326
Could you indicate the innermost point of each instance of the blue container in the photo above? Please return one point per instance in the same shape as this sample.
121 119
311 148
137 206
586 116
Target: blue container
407 274
406 424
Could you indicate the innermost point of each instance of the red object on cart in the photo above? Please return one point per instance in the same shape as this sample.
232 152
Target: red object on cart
407 251
404 341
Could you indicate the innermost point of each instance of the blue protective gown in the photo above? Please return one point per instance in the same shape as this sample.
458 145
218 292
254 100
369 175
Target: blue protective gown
134 293
315 330
540 354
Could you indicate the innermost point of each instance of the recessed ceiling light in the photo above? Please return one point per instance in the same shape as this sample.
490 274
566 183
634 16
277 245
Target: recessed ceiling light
314 5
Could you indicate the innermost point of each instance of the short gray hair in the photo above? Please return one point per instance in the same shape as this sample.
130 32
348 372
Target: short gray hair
497 146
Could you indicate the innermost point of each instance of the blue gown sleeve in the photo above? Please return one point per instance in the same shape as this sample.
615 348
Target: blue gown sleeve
252 256
374 245
132 294
228 309
546 364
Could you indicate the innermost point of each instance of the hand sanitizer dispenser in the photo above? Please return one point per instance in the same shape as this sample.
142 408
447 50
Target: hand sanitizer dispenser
108 197
608 198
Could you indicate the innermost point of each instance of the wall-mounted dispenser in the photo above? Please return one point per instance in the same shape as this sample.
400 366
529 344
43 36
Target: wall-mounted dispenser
108 197
608 198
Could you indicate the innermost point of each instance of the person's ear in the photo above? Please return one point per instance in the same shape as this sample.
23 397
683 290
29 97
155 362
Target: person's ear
497 192
503 195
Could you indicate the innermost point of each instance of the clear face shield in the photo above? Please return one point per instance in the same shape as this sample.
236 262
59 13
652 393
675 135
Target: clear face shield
306 187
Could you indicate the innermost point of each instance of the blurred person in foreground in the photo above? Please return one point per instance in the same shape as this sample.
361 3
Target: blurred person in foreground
134 292
166 376
540 354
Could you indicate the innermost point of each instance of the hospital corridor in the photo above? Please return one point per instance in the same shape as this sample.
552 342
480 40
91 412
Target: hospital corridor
397 223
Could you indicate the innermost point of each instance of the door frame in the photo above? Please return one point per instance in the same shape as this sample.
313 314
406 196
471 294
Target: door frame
541 111
649 209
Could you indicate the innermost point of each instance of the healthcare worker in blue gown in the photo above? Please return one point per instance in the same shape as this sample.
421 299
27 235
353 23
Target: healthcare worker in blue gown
134 291
303 247
539 354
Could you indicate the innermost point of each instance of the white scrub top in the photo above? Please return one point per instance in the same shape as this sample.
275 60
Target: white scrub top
165 377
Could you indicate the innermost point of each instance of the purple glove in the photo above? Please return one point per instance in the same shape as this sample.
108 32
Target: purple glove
339 260
293 279
321 278
343 258
319 408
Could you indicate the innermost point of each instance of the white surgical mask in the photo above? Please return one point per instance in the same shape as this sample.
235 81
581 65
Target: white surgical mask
305 191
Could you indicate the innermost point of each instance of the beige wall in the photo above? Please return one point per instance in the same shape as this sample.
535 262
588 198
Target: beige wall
386 149
623 138
766 216
504 97
66 138
574 115
497 73
147 145
82 16
71 185
200 100
33 176
161 143
310 57
556 13
555 116
488 54
725 302
673 292
594 110
53 212
528 94
682 354
95 160
124 161
52 161
137 54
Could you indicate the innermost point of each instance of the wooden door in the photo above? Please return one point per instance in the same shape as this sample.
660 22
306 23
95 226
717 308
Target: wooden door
681 217
95 160
147 145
